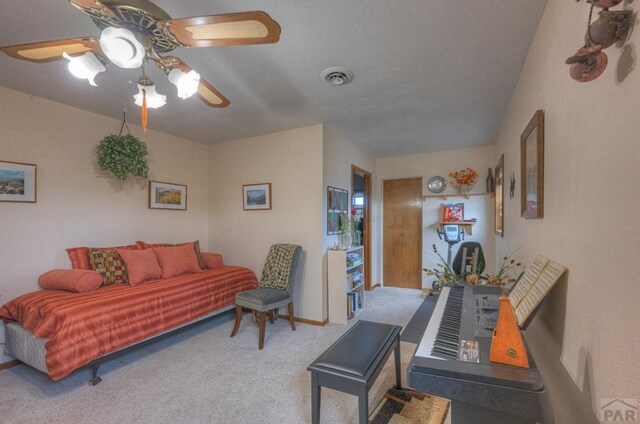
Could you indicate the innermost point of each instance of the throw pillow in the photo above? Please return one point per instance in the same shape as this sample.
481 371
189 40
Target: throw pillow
196 248
79 256
142 265
73 280
212 260
110 265
177 260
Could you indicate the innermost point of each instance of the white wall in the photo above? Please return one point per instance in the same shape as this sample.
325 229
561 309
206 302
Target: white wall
339 154
292 162
586 339
79 204
427 165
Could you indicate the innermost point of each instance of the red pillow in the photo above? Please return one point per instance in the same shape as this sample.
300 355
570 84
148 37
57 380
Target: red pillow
79 256
195 244
73 280
212 260
142 265
177 260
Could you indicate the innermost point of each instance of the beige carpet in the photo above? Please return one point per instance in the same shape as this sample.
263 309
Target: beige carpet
204 376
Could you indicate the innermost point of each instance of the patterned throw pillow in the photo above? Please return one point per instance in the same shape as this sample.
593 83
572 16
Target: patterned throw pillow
110 265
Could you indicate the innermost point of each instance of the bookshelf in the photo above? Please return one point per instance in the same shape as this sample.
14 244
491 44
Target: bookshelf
346 284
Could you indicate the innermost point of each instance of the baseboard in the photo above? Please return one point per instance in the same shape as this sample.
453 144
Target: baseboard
306 321
9 364
375 286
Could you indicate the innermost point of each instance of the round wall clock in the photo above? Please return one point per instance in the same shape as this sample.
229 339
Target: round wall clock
437 184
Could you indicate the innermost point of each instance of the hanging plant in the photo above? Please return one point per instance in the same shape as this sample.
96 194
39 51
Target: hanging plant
123 154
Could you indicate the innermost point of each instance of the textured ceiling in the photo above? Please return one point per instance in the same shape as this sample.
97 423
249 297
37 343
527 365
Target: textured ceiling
429 74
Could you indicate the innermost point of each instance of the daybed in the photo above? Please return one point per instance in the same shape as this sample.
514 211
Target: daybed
58 331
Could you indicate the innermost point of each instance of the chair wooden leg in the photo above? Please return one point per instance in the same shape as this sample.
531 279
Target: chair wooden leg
263 324
236 326
271 317
291 320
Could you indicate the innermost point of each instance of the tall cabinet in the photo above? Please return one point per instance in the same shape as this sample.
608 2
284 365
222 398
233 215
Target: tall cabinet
346 284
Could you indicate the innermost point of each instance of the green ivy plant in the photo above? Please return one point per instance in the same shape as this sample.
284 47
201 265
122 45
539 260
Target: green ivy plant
123 155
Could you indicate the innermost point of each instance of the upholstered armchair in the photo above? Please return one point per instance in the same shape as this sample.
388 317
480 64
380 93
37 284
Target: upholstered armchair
275 289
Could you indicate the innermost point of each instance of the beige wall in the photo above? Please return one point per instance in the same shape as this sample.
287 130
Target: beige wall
427 165
339 154
78 204
586 340
292 162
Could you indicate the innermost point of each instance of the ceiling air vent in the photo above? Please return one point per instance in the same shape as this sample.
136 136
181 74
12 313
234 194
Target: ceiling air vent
337 76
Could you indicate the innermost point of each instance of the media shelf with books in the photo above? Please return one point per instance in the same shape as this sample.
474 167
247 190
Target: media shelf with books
346 284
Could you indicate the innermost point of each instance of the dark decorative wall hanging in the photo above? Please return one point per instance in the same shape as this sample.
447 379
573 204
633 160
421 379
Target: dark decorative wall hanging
611 27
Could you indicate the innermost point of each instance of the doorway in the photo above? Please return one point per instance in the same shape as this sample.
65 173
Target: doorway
402 233
361 183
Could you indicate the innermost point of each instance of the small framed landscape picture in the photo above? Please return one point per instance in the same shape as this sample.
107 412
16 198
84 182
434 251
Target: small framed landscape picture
167 196
256 197
18 182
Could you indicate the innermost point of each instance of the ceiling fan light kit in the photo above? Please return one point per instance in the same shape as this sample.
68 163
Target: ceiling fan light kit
86 66
154 100
122 48
135 32
186 82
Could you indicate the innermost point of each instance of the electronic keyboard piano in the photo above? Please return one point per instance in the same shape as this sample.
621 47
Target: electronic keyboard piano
480 392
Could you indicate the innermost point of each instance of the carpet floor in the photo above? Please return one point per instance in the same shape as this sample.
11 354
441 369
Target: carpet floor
204 376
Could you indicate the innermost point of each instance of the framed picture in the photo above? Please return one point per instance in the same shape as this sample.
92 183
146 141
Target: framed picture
337 204
167 196
499 198
256 197
18 182
532 168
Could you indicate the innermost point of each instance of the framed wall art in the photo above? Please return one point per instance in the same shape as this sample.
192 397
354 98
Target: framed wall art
256 197
532 168
18 182
337 204
167 196
499 198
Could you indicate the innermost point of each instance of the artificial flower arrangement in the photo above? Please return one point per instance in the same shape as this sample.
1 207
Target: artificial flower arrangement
443 273
464 179
507 272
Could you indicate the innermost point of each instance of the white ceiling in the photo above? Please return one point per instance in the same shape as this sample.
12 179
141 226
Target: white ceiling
429 74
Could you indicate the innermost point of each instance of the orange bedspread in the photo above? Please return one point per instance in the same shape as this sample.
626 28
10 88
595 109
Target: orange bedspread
84 326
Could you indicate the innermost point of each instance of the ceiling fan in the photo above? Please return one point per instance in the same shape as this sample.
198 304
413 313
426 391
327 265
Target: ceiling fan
137 31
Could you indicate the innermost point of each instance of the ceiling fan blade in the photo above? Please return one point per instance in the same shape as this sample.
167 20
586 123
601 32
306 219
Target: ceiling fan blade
49 51
224 30
206 92
95 9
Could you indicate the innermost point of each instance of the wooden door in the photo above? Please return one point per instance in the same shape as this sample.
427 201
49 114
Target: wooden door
402 246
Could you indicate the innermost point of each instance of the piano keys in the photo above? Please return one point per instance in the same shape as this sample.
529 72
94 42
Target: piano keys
480 393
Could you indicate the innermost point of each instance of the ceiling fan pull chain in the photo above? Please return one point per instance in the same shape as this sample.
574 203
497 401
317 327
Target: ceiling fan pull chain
144 110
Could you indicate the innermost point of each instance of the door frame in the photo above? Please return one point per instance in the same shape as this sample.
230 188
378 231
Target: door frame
366 239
